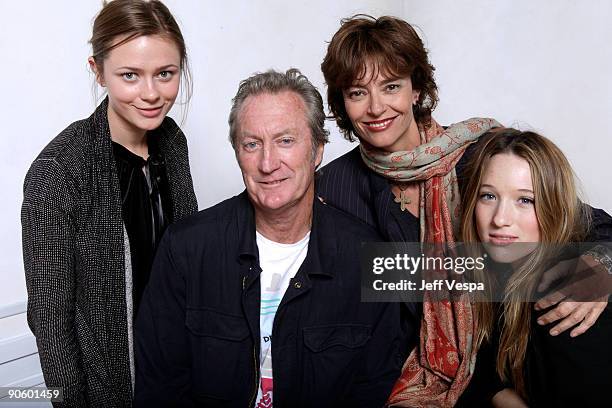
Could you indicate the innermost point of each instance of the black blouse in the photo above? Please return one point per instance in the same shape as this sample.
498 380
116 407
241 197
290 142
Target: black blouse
559 371
145 208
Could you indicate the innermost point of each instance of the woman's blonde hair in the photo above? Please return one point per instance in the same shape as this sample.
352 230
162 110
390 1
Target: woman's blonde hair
561 219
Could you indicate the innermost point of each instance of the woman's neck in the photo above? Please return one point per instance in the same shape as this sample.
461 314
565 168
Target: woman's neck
413 138
133 139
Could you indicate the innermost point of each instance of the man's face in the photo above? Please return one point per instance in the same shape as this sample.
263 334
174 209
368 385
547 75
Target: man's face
275 153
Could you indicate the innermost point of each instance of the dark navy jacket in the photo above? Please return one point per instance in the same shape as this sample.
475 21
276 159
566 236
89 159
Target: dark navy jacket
349 185
197 334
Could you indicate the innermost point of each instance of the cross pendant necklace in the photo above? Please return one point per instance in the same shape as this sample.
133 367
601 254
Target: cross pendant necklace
403 200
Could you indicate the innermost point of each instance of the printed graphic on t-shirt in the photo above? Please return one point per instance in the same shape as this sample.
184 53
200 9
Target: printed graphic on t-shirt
279 263
265 393
269 304
266 398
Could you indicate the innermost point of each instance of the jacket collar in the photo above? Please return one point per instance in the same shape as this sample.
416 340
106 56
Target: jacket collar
322 245
245 224
100 131
382 196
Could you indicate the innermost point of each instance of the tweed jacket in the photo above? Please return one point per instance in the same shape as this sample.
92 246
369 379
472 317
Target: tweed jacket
76 258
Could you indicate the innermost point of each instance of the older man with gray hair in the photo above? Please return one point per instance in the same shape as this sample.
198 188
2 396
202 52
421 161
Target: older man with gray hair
255 302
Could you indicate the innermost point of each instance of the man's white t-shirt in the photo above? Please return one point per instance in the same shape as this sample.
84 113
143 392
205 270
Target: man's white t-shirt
279 263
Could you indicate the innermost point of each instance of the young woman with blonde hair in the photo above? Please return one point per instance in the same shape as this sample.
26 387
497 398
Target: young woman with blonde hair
521 203
97 200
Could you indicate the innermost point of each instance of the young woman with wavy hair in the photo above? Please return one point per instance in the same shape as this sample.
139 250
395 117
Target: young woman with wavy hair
520 202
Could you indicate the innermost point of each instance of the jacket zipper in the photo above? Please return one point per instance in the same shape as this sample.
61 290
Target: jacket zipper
256 376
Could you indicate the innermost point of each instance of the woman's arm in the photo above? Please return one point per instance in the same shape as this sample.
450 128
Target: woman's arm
572 310
48 252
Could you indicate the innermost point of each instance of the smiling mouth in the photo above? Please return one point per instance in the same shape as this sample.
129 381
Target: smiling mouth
272 183
150 112
150 109
379 125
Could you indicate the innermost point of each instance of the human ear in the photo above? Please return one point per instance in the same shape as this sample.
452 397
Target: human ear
319 155
415 96
95 69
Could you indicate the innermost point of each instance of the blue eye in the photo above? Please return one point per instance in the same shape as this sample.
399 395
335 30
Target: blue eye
249 146
526 200
129 76
286 141
487 196
167 75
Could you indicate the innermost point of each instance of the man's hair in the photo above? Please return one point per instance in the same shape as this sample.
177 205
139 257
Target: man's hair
274 82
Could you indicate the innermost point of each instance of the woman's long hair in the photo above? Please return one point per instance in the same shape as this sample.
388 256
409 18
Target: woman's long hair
561 219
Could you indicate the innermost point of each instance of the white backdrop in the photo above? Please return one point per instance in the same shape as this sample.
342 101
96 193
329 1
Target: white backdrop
542 65
46 85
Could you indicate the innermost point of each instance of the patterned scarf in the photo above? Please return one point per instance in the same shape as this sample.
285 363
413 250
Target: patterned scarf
438 371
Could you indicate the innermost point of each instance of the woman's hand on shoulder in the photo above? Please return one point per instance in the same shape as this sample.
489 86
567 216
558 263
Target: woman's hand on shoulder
581 300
